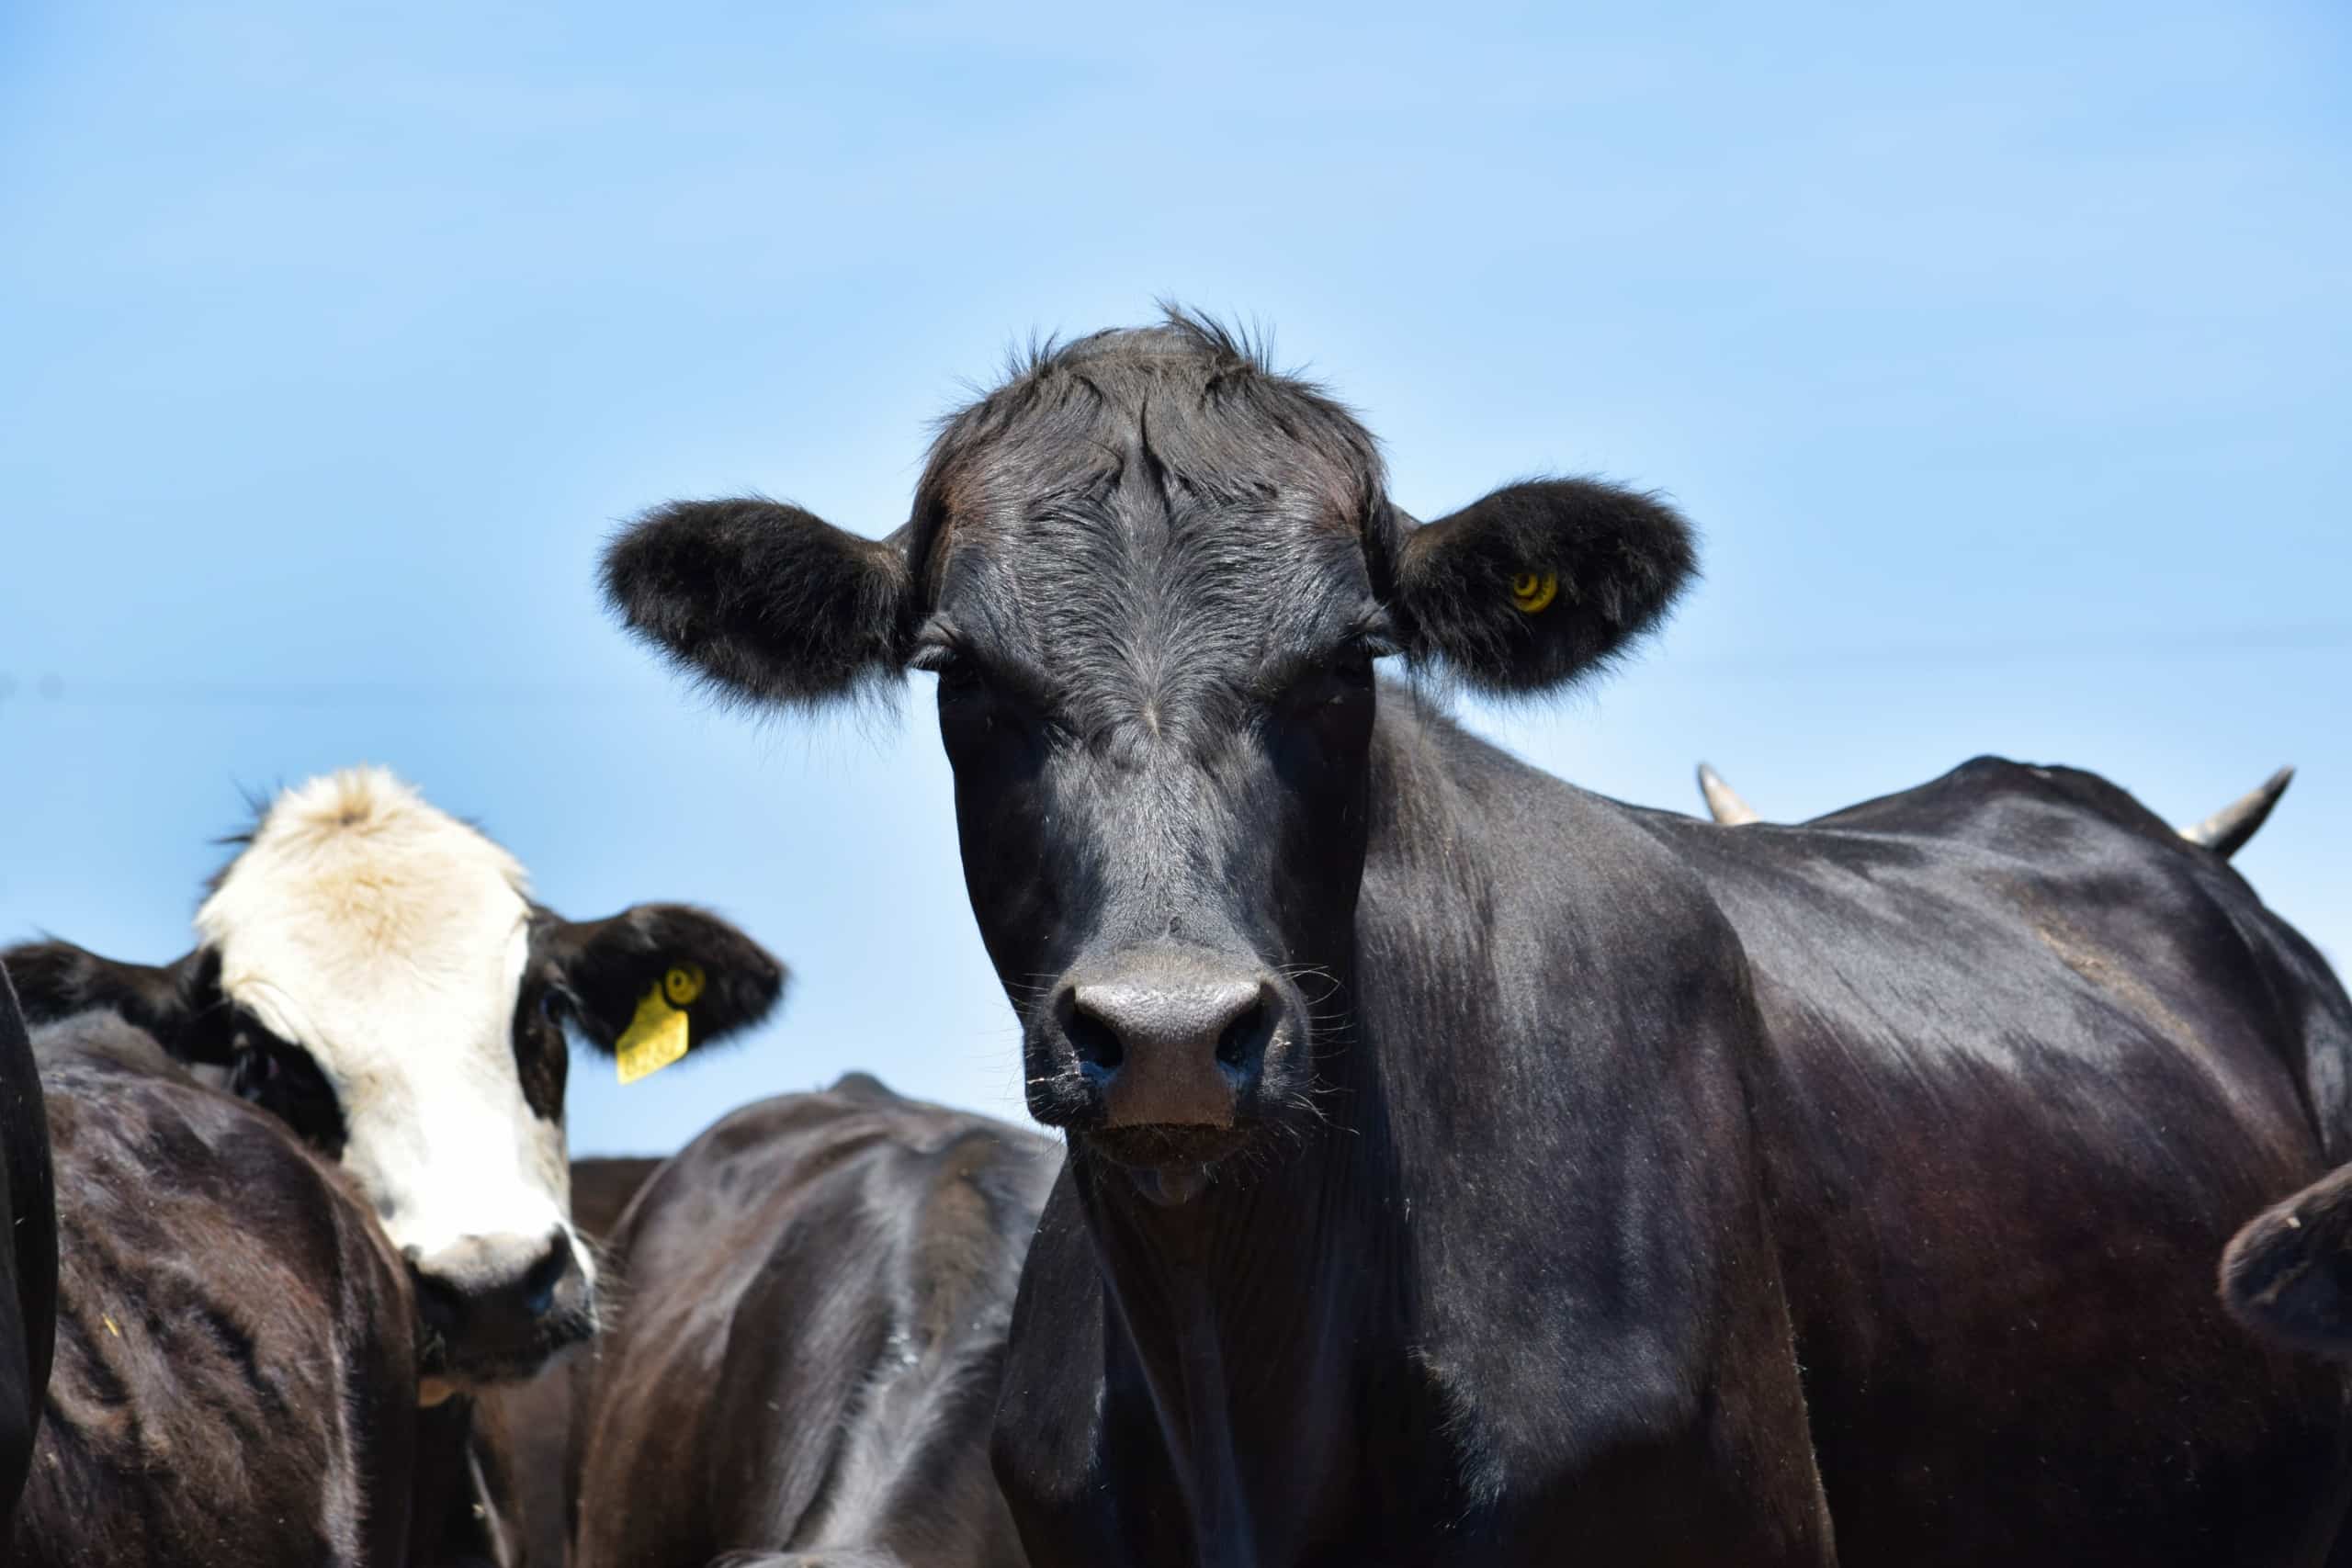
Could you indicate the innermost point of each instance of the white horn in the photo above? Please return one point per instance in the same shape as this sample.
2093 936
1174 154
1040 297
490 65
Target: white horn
1722 802
2226 832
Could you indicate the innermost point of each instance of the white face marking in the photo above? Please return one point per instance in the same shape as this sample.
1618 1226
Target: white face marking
389 939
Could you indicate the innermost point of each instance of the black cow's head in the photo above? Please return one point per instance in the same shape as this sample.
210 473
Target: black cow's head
1153 577
375 971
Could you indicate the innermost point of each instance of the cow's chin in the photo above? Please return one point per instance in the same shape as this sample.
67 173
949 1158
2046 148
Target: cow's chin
1168 1164
444 1373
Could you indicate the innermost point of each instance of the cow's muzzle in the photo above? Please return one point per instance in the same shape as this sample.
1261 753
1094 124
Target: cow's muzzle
1166 1056
494 1308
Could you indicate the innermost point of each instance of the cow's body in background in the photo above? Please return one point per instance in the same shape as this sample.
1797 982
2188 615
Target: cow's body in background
236 1373
511 1504
816 1293
28 1255
1465 1168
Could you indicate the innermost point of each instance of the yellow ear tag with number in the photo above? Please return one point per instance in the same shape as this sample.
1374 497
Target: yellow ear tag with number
657 1035
1530 593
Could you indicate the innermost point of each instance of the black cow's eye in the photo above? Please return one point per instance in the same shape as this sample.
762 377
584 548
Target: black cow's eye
1342 678
961 676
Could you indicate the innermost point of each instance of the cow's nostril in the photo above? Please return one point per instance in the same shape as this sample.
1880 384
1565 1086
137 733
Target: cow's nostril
438 1302
1096 1041
539 1285
1245 1038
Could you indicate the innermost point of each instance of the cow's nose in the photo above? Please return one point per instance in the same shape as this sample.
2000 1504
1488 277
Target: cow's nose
1172 1041
489 1295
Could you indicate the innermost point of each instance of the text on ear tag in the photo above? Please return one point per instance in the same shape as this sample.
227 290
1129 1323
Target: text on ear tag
654 1038
1530 592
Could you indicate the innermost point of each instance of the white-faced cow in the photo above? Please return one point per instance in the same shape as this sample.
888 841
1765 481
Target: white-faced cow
1465 1168
819 1288
375 973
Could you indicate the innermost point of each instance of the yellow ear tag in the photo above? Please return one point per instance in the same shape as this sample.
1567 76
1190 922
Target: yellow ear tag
655 1037
1529 593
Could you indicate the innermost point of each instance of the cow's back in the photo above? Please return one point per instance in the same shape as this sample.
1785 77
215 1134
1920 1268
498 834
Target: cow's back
234 1380
2031 1059
29 1261
813 1305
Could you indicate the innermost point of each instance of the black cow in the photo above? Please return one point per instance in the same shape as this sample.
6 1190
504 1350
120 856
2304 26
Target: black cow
2225 832
29 1261
1465 1168
806 1368
2287 1275
236 1373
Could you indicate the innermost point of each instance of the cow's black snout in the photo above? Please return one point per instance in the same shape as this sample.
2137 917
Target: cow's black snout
1171 1038
501 1302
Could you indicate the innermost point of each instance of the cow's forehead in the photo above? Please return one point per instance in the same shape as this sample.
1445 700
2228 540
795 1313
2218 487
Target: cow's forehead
1130 578
1110 443
358 910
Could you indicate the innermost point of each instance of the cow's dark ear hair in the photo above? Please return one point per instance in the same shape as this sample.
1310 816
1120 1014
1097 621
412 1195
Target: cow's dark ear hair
762 600
1538 583
175 1002
2288 1274
608 967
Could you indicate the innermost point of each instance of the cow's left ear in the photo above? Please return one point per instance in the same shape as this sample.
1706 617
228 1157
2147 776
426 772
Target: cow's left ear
2287 1275
1540 583
718 977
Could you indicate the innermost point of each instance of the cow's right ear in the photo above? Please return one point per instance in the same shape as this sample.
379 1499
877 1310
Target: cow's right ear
703 965
1540 583
762 600
2288 1274
171 1002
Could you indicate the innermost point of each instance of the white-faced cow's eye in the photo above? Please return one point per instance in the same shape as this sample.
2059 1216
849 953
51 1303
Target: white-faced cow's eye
552 1006
255 1062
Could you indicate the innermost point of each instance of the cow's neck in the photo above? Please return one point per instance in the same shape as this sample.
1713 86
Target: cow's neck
1273 1318
1250 1309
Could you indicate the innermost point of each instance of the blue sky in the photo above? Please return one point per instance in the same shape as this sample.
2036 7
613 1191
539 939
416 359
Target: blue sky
2005 359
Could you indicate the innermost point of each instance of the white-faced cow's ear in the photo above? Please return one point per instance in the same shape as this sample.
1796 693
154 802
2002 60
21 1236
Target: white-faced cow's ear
175 1002
1540 583
2287 1275
721 979
762 600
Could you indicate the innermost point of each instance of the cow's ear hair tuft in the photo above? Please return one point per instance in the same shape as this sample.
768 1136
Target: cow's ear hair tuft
1540 583
761 600
609 966
2287 1273
175 1002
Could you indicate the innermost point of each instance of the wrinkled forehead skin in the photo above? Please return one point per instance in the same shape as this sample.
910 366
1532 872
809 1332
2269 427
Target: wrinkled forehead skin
389 939
1149 511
